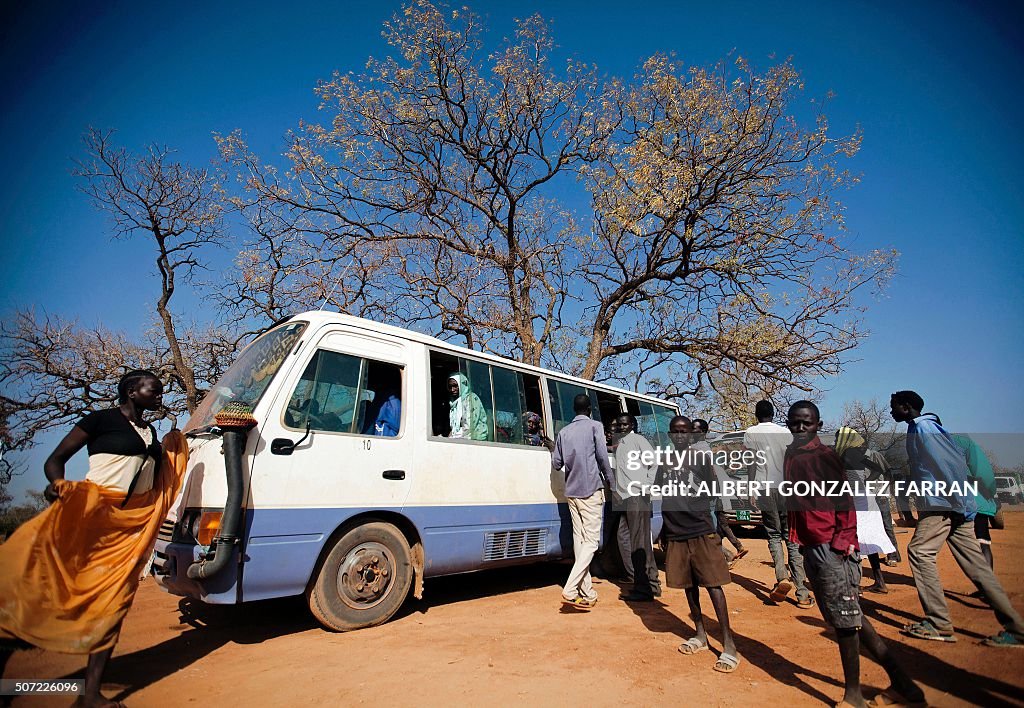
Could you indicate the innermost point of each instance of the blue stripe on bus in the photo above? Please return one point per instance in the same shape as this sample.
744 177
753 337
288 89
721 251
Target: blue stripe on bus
453 538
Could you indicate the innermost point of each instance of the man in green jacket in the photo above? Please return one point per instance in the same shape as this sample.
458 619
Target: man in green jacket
980 470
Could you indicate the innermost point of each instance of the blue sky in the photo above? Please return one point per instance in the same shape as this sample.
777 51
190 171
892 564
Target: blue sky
933 85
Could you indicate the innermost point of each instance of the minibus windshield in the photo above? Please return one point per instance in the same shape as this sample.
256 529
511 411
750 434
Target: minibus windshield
247 379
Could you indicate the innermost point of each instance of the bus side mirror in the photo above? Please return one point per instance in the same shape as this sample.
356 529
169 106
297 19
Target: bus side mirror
284 446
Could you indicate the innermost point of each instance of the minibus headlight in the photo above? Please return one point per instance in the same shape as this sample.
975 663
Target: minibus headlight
205 526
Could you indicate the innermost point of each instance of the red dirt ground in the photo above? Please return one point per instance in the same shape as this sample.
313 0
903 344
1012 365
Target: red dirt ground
501 638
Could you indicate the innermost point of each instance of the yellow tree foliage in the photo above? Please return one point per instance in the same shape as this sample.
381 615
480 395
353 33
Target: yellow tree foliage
680 231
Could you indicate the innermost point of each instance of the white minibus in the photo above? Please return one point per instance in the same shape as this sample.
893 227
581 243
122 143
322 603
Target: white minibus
352 487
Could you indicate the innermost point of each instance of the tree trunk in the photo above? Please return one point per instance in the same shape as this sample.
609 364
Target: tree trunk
185 374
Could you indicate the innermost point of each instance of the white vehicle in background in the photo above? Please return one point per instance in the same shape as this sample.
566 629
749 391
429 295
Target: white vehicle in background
736 510
293 488
1008 490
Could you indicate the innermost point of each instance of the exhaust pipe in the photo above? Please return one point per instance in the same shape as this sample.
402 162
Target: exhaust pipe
235 421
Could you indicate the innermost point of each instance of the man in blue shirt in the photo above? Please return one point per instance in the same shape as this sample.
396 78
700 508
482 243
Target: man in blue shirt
580 448
936 457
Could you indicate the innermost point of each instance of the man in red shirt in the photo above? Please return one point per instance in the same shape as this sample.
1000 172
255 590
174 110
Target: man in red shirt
825 528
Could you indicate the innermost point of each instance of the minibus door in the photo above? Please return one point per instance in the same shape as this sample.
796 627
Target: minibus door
321 459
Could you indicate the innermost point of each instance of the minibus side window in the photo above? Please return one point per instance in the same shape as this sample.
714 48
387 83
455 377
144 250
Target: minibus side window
501 399
325 397
475 406
509 405
663 415
609 407
516 394
646 420
479 376
341 393
561 394
380 398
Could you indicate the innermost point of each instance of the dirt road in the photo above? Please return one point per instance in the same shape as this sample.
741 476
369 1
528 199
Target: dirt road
500 638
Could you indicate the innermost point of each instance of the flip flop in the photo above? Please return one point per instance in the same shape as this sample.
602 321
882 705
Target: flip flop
779 592
728 662
692 646
890 697
740 553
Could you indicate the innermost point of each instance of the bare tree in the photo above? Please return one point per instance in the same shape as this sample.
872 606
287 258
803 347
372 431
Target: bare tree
52 372
177 206
449 157
681 232
720 236
11 517
872 420
714 260
287 265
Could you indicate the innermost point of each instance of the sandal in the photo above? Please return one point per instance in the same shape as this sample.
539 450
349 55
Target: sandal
926 630
891 697
726 663
779 592
740 553
692 646
877 589
806 603
1003 639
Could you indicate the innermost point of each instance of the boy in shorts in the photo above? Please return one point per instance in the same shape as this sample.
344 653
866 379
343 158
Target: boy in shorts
694 558
825 528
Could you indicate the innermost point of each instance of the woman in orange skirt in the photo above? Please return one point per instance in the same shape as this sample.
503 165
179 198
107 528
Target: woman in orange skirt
68 576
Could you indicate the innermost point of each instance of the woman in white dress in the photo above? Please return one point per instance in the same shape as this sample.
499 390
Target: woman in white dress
871 536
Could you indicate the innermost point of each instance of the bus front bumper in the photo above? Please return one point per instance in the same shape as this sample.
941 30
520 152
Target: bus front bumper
171 561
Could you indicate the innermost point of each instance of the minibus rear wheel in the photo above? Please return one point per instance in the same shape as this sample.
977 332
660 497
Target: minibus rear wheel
364 579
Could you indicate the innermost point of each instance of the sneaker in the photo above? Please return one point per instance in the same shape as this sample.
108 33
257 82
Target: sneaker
779 592
1003 639
580 603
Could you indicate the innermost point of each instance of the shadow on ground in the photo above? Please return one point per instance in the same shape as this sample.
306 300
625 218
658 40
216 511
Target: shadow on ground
207 628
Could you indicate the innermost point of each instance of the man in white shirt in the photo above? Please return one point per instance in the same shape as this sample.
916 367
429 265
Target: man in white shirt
772 440
633 480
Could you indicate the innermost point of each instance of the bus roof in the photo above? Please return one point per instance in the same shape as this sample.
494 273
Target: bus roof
324 317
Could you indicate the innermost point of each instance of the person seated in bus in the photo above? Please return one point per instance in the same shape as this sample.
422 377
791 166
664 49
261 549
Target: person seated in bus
389 418
504 427
466 412
383 416
533 431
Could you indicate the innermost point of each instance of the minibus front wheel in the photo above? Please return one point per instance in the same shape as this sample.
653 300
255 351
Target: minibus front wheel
364 579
